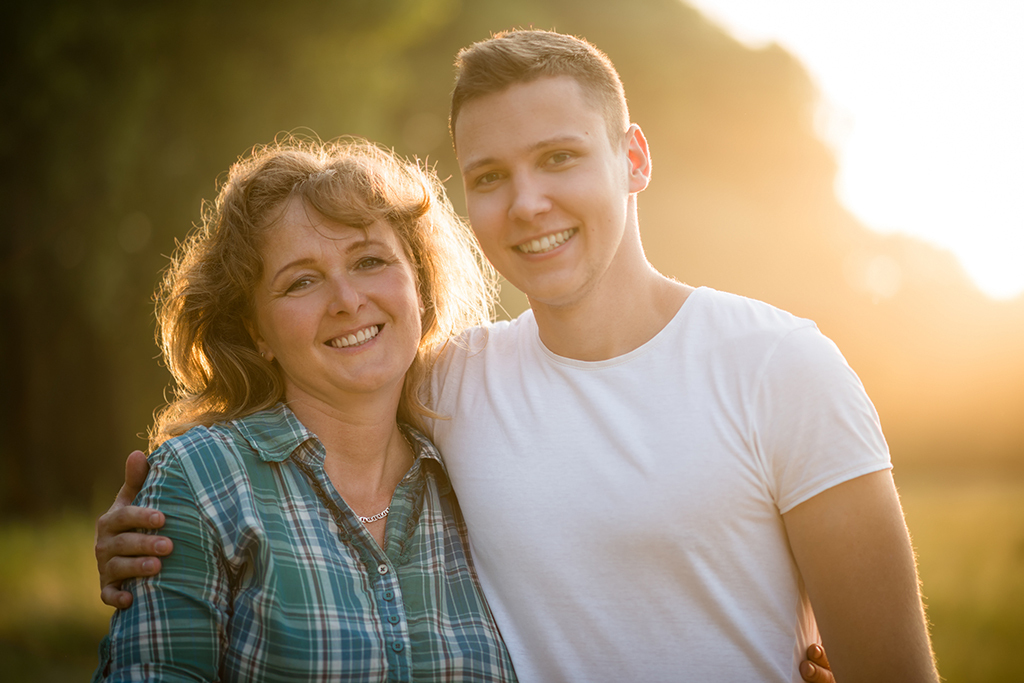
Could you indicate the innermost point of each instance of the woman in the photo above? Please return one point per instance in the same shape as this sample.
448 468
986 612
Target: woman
316 534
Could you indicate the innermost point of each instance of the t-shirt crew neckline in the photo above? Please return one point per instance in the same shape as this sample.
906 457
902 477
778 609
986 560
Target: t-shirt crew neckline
643 349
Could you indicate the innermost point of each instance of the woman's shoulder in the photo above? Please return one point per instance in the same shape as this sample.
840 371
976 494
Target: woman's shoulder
219 439
208 454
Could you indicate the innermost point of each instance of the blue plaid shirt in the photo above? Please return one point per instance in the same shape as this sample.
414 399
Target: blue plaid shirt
273 577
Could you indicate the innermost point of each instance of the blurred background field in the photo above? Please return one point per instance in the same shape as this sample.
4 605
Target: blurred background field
118 119
51 618
969 536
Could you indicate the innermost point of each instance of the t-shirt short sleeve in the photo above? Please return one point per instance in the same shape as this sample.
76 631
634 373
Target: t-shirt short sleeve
815 426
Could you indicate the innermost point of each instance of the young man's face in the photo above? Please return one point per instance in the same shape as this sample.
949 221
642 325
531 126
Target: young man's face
546 190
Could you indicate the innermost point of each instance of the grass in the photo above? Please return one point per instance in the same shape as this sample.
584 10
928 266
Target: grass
51 617
969 537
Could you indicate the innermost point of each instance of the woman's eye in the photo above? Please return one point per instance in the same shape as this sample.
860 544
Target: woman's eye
300 284
559 158
370 262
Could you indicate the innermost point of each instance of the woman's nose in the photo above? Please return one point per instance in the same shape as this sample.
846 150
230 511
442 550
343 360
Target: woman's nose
346 294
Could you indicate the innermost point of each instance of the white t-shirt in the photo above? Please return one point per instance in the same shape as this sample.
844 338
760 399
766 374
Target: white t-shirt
625 515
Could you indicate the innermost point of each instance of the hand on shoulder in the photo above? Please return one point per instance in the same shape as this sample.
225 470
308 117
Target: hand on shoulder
122 551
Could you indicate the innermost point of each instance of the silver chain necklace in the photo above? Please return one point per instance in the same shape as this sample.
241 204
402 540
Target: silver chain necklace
382 515
374 518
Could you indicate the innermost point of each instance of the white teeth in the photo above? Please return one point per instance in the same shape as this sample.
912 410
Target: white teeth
546 243
360 337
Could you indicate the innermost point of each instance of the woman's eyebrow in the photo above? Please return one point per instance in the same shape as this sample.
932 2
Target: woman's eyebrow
309 260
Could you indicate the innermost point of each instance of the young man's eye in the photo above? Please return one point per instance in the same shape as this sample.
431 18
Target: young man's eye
559 158
487 179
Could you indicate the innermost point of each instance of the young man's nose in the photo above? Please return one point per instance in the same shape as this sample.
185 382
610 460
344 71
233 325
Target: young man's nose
529 198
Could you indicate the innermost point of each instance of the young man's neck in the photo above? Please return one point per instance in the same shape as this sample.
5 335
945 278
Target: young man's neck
604 325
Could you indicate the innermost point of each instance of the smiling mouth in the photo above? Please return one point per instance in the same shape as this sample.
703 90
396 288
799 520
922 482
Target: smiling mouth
361 337
546 243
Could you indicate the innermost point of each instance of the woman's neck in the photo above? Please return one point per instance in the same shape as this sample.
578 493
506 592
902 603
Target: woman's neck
366 453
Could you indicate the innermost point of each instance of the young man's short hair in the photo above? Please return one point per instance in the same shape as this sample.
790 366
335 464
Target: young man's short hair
512 57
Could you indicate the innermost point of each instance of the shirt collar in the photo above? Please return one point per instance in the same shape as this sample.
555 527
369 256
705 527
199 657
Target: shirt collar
275 434
427 455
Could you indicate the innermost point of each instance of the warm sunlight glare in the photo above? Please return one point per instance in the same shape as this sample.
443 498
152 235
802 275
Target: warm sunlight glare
923 104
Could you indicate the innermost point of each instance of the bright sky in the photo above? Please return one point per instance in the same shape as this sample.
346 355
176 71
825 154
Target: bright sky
924 104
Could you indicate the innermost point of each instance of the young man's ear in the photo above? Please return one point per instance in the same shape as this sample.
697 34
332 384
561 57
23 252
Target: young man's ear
639 155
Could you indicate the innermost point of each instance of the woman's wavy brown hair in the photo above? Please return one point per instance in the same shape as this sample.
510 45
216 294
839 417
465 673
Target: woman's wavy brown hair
205 304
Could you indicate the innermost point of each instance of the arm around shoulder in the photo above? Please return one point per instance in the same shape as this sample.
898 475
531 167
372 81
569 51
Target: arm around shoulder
853 550
175 627
122 552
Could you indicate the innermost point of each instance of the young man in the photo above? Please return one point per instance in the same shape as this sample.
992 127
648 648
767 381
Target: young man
659 481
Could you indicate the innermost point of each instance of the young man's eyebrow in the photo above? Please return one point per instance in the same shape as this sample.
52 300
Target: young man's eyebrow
569 138
553 141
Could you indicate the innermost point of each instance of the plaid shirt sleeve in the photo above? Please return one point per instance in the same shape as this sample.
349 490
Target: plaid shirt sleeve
175 629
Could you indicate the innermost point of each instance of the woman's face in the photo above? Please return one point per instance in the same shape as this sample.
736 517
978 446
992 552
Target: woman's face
337 307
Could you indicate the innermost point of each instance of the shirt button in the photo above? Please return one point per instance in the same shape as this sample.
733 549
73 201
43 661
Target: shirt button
393 619
397 647
382 569
389 595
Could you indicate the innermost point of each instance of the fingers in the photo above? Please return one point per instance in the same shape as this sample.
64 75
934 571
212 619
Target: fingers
122 552
130 544
116 570
816 668
135 469
127 556
113 596
122 516
121 568
816 653
119 519
815 674
115 534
